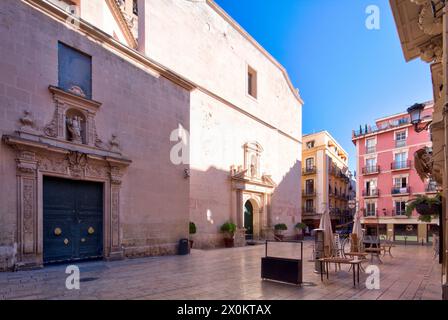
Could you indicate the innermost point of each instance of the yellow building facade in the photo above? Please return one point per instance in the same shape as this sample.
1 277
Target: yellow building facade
325 180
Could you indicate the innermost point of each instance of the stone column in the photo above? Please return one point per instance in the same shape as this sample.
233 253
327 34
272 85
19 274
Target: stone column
422 233
115 247
28 250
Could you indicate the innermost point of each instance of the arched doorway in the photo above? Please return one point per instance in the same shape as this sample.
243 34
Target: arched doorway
249 220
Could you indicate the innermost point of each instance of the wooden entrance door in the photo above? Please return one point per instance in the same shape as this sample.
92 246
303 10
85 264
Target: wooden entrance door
72 220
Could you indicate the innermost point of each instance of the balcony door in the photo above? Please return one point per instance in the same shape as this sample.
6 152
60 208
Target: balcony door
309 164
309 186
370 187
401 160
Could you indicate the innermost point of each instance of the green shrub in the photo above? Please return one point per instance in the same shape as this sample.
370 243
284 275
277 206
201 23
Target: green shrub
300 226
281 227
228 227
192 228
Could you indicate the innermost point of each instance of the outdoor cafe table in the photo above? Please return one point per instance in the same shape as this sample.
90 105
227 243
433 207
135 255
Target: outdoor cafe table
355 264
360 255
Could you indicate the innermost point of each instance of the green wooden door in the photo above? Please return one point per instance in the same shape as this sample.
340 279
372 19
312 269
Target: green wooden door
73 220
249 220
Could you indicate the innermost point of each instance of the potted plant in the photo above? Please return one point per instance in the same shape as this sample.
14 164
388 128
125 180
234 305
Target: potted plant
300 227
280 231
192 232
425 206
229 229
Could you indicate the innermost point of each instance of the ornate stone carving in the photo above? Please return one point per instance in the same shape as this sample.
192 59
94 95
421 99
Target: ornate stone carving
28 215
78 91
429 24
252 159
27 123
74 117
51 129
77 164
115 175
115 216
114 144
432 51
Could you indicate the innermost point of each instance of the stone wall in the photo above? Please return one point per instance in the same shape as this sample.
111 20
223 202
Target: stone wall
203 44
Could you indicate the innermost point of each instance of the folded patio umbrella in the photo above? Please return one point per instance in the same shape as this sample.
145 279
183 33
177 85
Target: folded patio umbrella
357 228
325 224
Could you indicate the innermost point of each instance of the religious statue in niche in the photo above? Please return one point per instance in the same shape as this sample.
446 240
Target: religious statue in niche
74 128
253 166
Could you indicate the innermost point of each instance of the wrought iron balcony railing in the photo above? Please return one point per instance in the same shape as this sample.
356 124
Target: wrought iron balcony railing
371 170
309 193
309 170
371 213
372 193
401 165
400 191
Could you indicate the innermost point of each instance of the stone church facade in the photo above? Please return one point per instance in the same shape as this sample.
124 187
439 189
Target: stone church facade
89 109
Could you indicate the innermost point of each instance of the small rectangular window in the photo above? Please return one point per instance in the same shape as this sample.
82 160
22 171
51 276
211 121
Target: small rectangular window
400 139
252 82
75 71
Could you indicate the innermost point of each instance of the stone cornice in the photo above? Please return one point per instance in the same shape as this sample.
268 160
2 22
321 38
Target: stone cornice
113 45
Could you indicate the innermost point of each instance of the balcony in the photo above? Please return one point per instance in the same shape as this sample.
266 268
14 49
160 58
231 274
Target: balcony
401 165
375 129
397 191
309 170
401 213
309 211
373 193
371 213
309 193
370 170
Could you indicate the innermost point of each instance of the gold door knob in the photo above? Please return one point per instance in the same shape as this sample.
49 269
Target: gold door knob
57 231
91 230
66 241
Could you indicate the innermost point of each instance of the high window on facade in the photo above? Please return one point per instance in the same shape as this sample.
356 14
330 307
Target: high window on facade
309 164
400 185
400 139
400 208
400 160
309 187
252 82
370 209
74 71
310 144
309 205
370 146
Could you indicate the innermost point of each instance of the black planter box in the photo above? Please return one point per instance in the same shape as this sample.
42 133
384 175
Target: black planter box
282 269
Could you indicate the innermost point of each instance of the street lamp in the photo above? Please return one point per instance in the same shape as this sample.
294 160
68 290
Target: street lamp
415 113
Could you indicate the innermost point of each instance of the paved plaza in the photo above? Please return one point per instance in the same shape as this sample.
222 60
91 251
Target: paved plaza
226 274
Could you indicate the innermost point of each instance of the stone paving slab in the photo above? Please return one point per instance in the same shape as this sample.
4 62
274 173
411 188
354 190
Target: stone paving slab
227 274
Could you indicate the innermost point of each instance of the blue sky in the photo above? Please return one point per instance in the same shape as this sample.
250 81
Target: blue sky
347 75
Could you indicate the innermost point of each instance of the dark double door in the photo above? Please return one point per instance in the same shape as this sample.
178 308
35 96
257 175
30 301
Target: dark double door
72 220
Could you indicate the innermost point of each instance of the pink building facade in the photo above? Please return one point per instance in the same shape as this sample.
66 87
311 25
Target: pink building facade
387 179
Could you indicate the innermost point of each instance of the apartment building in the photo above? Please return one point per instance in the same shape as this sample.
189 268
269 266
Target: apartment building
325 180
387 179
